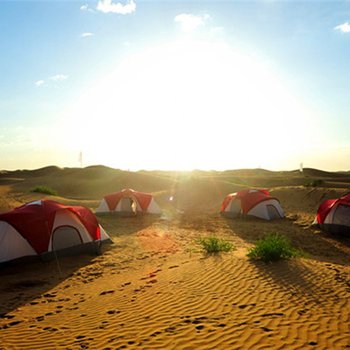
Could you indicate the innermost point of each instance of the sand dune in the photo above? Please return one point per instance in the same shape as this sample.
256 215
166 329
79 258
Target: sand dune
153 288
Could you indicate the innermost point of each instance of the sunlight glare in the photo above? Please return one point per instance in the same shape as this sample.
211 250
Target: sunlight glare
185 105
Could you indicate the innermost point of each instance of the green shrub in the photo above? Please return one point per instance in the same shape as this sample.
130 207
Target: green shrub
45 190
214 245
273 247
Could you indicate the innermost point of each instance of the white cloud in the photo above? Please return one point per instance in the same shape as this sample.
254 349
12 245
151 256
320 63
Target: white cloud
55 78
59 77
217 30
86 8
345 27
39 83
86 34
107 6
189 22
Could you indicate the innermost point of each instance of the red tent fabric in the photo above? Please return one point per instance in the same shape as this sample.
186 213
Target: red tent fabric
34 221
249 199
326 206
144 199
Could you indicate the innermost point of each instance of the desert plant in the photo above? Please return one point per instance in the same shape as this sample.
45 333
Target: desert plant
273 247
214 245
45 190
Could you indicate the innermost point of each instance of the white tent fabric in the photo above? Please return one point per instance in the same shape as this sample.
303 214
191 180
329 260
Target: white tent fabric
12 244
268 210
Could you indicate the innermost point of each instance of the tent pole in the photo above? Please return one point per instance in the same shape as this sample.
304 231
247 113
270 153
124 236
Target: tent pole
58 264
54 251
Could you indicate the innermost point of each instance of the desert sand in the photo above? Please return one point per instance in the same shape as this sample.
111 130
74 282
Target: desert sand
154 288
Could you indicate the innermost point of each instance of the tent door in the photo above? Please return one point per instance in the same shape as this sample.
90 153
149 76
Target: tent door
235 207
341 215
273 212
65 237
127 205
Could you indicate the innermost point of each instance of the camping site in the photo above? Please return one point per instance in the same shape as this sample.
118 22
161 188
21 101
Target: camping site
153 285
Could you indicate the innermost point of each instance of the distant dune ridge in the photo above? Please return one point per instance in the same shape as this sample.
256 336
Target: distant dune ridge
91 183
154 288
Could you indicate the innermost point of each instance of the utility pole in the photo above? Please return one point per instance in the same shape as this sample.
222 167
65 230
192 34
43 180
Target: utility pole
81 158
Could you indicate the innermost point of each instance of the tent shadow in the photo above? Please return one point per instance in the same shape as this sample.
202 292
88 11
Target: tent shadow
32 282
297 276
294 278
318 245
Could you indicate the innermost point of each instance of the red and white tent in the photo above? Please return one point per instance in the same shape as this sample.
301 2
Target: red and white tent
252 202
333 215
128 201
44 226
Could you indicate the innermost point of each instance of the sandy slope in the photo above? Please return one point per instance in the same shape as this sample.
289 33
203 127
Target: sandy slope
154 288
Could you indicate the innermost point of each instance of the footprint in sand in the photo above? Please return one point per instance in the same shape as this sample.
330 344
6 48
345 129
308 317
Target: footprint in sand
112 312
171 329
107 292
221 325
273 314
302 312
104 324
72 308
50 329
155 334
50 295
243 306
199 327
80 337
154 280
13 323
7 316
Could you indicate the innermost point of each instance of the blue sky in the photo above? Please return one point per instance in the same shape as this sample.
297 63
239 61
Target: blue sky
175 84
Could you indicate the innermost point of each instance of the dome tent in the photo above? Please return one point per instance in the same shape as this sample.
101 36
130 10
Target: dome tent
128 202
252 202
44 228
333 215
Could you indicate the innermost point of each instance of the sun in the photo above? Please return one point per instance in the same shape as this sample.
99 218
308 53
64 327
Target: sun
184 105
